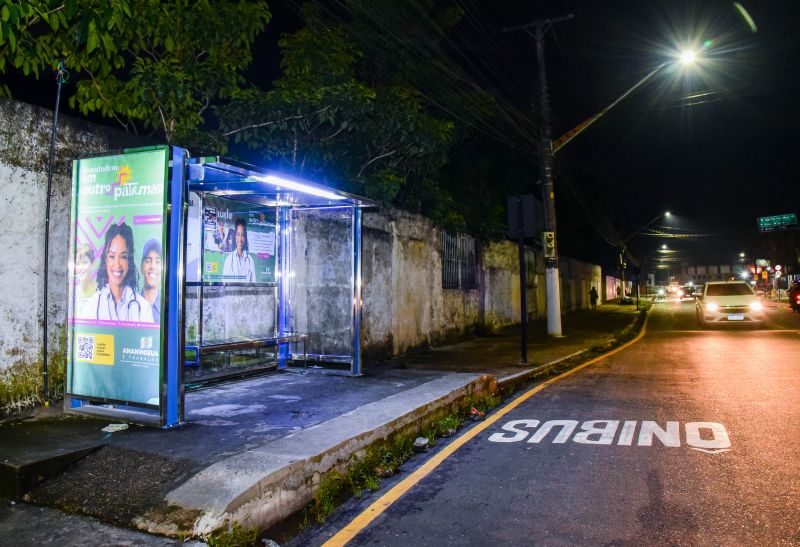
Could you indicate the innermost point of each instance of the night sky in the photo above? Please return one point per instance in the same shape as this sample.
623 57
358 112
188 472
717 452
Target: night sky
718 145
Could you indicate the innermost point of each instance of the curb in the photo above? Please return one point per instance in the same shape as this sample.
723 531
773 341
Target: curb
18 478
511 381
263 486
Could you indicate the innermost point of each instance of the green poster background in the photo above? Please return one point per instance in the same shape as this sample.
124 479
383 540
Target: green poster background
219 244
115 352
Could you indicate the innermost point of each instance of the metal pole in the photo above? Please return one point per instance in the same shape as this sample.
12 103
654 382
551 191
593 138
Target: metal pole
546 176
540 27
523 292
622 273
60 72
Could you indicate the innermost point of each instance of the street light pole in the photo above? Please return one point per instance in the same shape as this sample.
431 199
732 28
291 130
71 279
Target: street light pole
560 142
623 251
539 30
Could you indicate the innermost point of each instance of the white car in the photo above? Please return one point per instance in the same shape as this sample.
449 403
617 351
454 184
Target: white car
729 302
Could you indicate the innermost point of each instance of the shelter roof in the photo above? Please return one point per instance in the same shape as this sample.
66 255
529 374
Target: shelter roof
227 177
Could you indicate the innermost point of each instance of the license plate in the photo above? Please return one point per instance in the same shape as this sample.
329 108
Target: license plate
736 317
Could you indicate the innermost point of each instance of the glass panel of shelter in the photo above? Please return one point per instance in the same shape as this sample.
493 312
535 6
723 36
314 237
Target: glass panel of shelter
230 324
321 282
319 299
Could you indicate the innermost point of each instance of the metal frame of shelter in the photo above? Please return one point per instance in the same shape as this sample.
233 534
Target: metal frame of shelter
218 176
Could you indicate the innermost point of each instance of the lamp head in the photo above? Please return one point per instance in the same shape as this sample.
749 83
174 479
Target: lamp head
688 57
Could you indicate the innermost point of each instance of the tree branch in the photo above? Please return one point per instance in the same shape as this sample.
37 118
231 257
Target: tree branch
341 128
376 158
265 124
100 92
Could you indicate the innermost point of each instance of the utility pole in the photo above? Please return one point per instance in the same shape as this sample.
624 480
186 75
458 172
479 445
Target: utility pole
538 29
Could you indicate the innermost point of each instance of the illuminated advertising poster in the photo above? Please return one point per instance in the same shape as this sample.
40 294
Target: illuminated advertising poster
238 242
117 278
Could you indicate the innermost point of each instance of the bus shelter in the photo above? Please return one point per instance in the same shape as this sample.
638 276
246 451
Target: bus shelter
191 269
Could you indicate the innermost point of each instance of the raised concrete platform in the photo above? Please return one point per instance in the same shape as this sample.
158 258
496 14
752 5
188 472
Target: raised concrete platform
262 486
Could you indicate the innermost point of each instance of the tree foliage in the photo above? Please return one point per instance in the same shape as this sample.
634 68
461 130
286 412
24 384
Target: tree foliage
346 109
151 64
365 101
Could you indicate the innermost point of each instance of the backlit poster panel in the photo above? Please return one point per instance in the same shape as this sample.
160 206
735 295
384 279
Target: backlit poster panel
239 242
116 308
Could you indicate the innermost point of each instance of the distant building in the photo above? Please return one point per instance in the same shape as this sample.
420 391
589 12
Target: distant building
698 274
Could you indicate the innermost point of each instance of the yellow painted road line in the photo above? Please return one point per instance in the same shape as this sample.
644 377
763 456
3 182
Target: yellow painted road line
385 501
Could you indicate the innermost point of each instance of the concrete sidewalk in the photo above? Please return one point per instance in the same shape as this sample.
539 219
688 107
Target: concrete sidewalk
253 451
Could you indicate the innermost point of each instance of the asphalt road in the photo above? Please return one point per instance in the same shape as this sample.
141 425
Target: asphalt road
687 437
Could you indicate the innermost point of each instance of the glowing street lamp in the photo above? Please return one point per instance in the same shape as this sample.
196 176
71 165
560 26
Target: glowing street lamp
550 149
688 57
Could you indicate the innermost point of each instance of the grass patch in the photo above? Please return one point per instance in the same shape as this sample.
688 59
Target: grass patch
22 383
233 536
383 460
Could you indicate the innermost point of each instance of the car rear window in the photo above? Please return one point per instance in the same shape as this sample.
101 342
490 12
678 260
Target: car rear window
728 289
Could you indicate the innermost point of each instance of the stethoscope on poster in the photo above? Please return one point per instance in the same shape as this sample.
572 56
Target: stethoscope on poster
241 265
112 312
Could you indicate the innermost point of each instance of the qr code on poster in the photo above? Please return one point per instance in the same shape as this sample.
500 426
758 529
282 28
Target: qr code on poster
85 348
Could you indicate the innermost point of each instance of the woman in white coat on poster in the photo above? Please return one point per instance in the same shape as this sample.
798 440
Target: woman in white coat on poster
117 298
239 265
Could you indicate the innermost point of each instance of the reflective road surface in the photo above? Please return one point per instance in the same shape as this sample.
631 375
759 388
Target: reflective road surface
686 437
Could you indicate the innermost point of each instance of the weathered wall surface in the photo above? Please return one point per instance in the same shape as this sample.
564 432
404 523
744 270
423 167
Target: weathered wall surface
405 306
24 150
577 279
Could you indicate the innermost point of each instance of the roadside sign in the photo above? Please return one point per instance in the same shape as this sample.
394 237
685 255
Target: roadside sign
777 222
549 241
522 216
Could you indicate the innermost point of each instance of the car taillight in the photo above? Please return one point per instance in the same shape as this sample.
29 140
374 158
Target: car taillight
797 297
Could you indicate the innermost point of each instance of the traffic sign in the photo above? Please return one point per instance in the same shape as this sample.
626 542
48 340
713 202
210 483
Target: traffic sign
777 222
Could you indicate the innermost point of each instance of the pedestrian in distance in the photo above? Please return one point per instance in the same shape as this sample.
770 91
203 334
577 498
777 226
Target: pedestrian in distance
593 298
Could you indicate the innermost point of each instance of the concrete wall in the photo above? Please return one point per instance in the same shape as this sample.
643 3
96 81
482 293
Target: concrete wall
404 304
24 150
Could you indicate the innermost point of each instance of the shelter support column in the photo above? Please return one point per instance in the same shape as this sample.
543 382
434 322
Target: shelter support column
284 282
172 407
355 366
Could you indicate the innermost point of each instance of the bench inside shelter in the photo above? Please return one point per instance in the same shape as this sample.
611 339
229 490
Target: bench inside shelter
230 347
232 329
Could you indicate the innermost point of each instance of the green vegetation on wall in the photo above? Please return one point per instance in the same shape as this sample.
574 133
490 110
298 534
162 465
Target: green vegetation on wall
22 383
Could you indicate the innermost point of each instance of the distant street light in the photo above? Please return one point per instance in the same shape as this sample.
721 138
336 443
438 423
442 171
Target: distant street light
623 250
